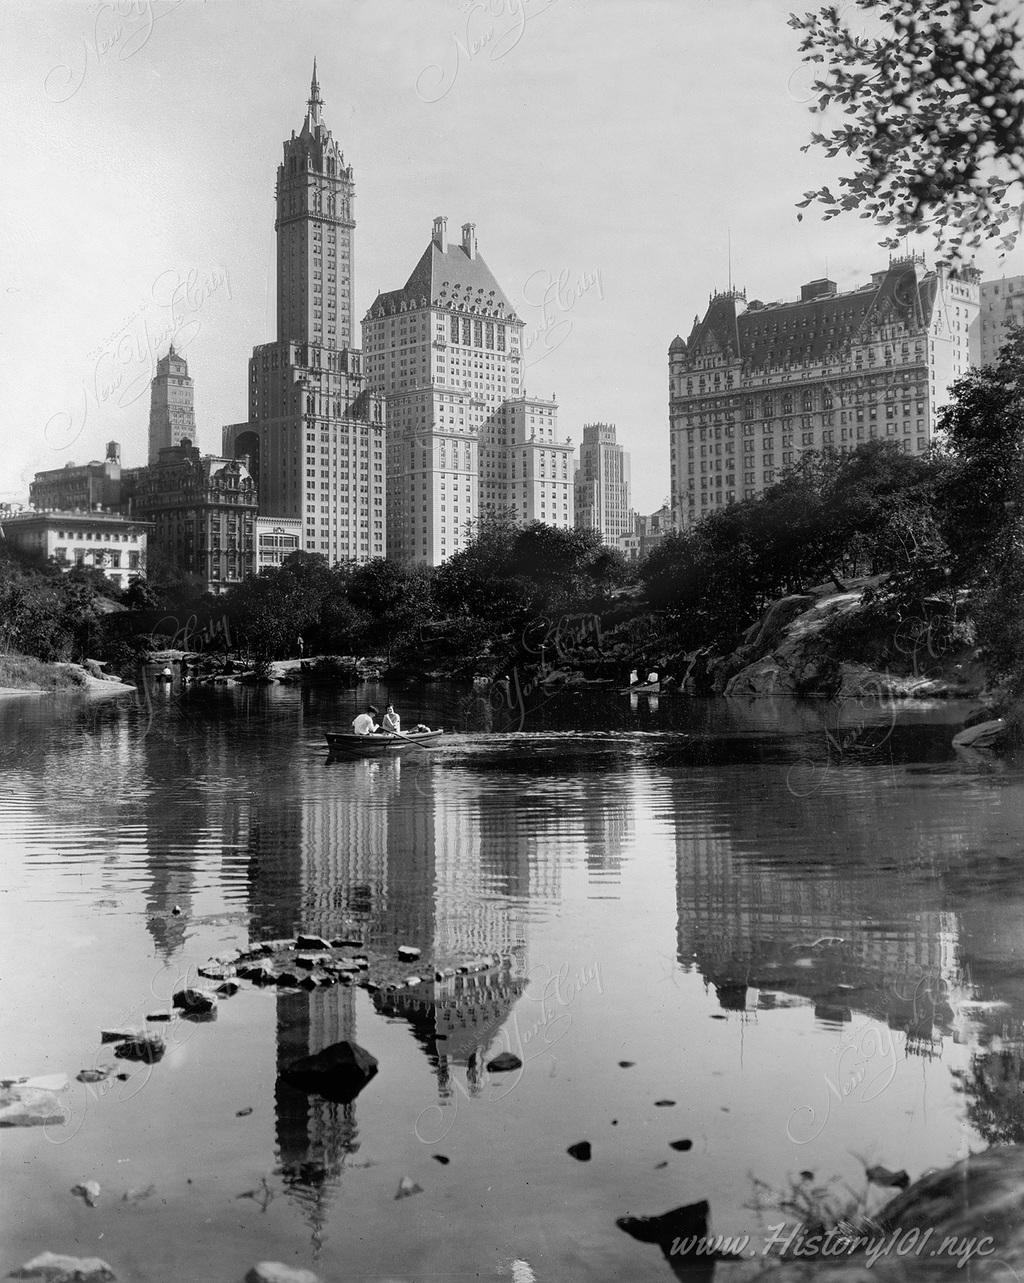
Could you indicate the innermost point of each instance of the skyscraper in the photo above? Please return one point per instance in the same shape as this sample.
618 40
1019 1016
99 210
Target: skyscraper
758 384
463 437
602 484
314 439
172 415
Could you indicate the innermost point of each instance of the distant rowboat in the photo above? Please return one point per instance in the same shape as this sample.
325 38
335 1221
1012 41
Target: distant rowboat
379 744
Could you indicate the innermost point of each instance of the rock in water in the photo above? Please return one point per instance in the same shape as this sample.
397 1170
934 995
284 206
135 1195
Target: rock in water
407 1187
146 1047
194 1001
407 953
886 1178
55 1268
275 1272
89 1190
580 1151
312 942
504 1062
94 1075
681 1145
23 1106
339 1072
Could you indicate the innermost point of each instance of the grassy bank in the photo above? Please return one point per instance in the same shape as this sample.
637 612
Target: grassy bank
22 672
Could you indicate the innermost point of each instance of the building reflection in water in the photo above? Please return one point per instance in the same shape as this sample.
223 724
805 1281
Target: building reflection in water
764 914
314 1135
377 850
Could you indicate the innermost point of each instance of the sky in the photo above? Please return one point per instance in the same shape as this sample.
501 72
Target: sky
615 156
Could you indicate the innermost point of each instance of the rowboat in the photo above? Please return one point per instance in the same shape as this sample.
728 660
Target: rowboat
642 688
378 744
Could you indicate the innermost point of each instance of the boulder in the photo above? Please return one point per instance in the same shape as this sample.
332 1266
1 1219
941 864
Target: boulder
275 1272
407 953
312 942
55 1268
24 1106
982 735
504 1063
145 1047
580 1151
407 1187
119 1033
87 1190
216 971
96 1075
343 942
226 990
194 1001
339 1072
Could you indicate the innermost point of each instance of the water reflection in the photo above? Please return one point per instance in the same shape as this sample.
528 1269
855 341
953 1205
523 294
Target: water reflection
314 1136
889 891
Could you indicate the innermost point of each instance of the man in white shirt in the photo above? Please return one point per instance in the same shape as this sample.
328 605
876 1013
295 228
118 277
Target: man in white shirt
364 723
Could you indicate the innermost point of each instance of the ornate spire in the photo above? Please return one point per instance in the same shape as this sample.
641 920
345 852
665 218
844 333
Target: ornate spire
315 101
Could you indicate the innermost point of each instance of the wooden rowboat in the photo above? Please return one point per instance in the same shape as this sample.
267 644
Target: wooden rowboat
642 688
379 744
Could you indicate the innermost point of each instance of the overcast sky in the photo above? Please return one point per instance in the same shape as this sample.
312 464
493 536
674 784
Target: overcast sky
605 149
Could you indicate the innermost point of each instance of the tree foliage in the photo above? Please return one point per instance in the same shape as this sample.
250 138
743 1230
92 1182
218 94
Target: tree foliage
933 116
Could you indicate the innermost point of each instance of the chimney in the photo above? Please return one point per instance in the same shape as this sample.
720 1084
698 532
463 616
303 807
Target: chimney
469 239
441 234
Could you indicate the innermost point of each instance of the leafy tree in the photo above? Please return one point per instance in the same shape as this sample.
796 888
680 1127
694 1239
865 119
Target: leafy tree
933 116
983 433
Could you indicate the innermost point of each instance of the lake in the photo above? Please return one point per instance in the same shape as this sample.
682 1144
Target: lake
788 933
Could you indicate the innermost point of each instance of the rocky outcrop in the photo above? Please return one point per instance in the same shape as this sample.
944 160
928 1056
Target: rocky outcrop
787 653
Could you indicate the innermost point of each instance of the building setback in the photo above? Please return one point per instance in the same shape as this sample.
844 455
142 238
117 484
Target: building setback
172 416
463 436
80 486
202 511
757 384
314 438
602 484
1002 306
105 541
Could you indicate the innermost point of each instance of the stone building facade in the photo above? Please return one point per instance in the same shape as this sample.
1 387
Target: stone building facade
1002 306
83 486
106 541
172 415
463 436
602 484
314 437
202 513
757 384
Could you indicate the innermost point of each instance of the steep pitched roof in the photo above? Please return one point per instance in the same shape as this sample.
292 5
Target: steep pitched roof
449 278
812 329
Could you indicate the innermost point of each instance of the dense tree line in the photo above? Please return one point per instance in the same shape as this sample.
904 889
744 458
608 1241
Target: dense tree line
938 537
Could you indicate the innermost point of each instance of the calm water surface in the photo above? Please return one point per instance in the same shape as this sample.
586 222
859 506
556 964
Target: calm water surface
801 925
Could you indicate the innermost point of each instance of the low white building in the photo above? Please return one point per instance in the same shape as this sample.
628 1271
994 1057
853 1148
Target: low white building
106 541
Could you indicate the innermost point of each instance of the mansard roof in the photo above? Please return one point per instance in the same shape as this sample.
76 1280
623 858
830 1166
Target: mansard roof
813 328
450 279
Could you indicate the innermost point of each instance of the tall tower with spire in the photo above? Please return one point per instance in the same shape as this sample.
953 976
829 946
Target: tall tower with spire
172 416
315 434
314 234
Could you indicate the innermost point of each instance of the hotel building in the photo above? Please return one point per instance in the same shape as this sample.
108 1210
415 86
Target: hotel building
464 438
314 438
757 384
1002 306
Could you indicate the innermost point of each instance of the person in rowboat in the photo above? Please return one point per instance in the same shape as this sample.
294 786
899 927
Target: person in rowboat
391 721
364 723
